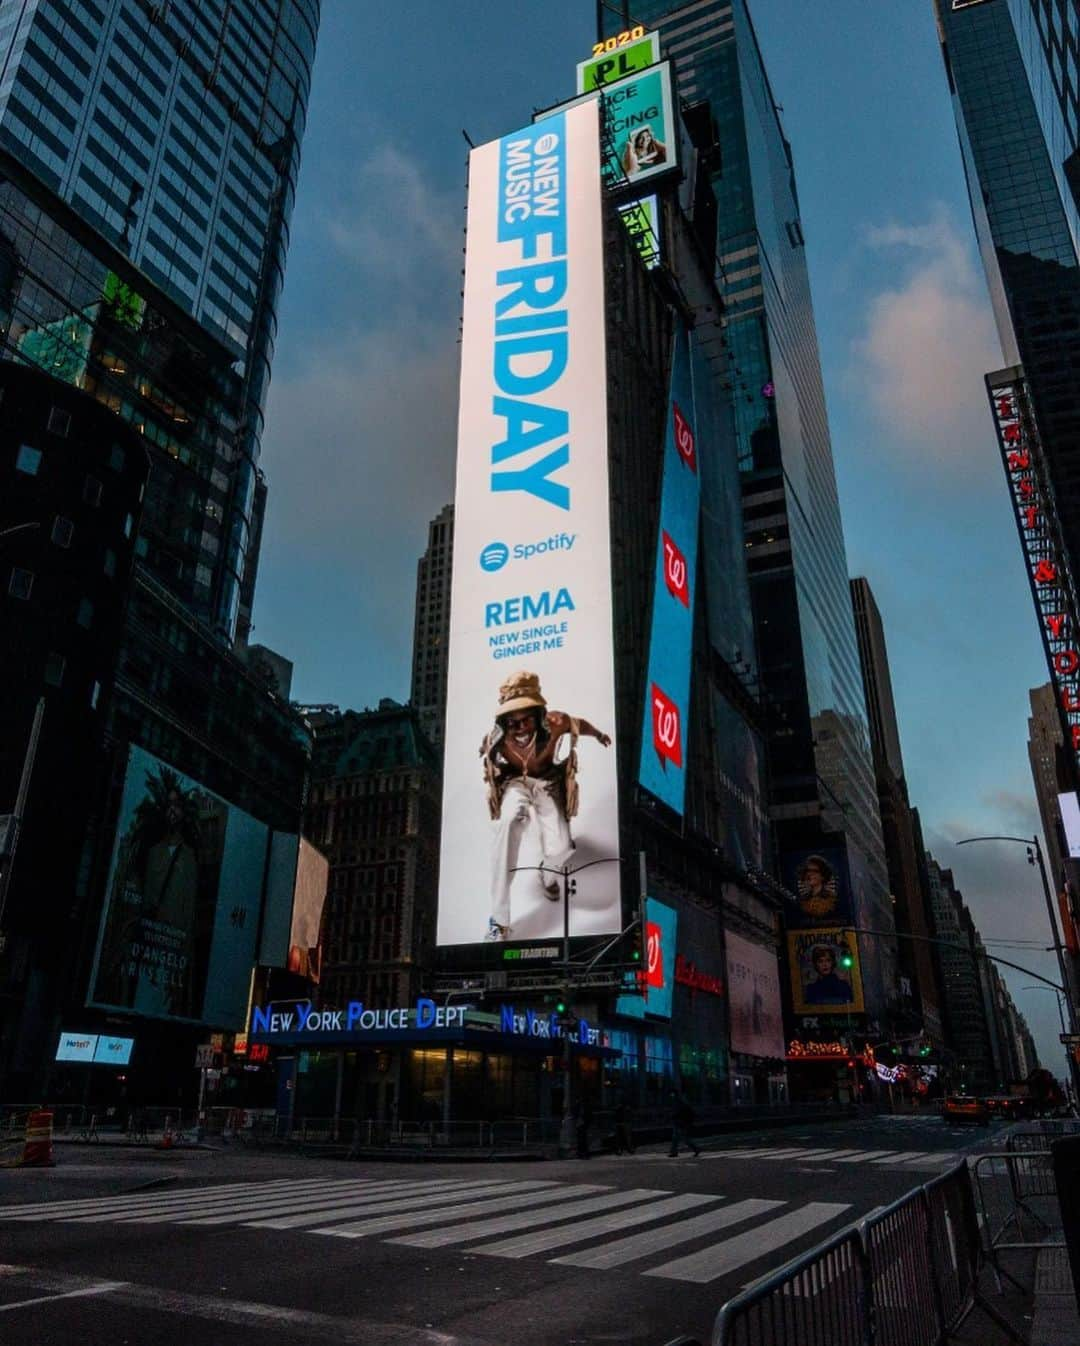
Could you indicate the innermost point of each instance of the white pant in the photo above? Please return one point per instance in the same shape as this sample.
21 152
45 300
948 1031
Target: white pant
523 798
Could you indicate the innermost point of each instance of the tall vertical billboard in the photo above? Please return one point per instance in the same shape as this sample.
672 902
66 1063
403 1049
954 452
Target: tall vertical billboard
529 776
667 687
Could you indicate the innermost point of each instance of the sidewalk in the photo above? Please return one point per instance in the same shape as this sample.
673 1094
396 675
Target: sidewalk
1056 1320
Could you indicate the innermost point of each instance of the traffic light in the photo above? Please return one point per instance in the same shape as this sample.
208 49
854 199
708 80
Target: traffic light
637 940
846 959
560 1006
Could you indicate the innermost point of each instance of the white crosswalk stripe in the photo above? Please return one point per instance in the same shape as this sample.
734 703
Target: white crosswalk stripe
812 1155
491 1217
722 1258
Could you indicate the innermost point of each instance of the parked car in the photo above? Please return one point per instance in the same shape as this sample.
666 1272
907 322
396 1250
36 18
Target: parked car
966 1109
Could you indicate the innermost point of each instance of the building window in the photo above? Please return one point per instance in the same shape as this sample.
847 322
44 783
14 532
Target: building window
109 565
92 490
63 530
129 524
95 693
59 422
116 458
85 614
54 669
20 583
28 460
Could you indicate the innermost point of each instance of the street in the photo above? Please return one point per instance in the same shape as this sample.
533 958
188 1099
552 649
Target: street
112 1244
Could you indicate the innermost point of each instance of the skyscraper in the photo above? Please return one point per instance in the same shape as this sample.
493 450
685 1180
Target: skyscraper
920 998
431 626
148 162
822 793
1012 68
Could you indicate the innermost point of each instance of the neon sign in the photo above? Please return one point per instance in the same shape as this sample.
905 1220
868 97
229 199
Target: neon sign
1040 536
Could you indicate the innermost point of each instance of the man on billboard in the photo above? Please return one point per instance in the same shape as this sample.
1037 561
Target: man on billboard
530 785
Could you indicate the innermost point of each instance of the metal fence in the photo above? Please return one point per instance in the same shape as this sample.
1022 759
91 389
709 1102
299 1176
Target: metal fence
908 1275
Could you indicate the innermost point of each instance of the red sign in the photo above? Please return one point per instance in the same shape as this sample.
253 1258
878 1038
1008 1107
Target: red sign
258 1052
689 974
676 571
684 439
654 956
666 728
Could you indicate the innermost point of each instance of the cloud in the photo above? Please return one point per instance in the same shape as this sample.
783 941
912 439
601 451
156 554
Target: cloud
927 342
359 446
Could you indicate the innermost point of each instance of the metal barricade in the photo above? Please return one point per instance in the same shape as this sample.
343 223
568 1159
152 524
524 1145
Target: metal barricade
907 1275
819 1299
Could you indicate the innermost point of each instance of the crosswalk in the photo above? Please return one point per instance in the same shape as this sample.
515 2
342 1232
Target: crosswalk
914 1159
589 1225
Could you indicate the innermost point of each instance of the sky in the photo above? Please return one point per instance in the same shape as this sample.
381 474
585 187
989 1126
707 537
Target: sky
361 418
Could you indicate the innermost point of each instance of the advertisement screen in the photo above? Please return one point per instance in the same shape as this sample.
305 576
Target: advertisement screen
667 688
661 927
825 976
312 878
641 130
113 1051
76 1047
529 776
642 221
819 879
1070 820
757 1021
182 902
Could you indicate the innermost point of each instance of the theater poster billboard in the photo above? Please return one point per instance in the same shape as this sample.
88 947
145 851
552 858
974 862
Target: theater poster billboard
757 1020
825 972
529 775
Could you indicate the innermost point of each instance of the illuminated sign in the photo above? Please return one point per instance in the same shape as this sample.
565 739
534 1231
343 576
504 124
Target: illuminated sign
616 57
642 221
815 1051
661 961
112 1051
76 1047
531 675
687 973
533 1025
95 1048
661 769
1051 580
269 1021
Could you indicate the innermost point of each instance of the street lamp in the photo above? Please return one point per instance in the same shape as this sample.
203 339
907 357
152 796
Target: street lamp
566 1129
1034 854
1061 1016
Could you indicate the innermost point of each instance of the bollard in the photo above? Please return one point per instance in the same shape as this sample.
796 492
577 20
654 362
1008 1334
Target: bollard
1066 1155
38 1145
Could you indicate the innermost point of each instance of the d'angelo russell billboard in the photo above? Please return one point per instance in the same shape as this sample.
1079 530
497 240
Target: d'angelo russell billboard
529 777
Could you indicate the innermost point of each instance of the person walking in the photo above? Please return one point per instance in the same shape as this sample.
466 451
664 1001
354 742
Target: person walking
682 1123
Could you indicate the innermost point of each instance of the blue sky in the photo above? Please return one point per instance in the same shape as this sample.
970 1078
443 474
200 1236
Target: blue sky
361 419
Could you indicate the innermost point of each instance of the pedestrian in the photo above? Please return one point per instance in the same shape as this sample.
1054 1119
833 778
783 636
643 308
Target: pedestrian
682 1124
624 1136
584 1119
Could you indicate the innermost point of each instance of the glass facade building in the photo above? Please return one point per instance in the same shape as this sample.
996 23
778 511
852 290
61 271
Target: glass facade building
820 766
1012 67
148 162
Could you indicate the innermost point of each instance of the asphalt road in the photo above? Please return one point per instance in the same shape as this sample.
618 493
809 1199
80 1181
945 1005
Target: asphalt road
113 1246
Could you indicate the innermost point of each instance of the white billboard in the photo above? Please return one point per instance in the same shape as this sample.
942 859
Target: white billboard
1070 820
529 775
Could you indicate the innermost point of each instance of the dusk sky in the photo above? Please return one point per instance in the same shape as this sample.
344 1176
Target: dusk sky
359 448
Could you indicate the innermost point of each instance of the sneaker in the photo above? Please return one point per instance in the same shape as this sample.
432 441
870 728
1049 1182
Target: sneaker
496 933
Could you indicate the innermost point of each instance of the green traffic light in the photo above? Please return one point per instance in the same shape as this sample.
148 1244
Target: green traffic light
560 1007
846 960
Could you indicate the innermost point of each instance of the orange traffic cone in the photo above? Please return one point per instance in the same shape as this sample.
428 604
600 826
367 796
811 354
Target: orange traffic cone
38 1145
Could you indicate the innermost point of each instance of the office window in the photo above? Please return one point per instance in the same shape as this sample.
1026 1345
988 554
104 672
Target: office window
116 458
85 613
28 460
59 422
54 669
63 530
109 565
92 491
20 583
